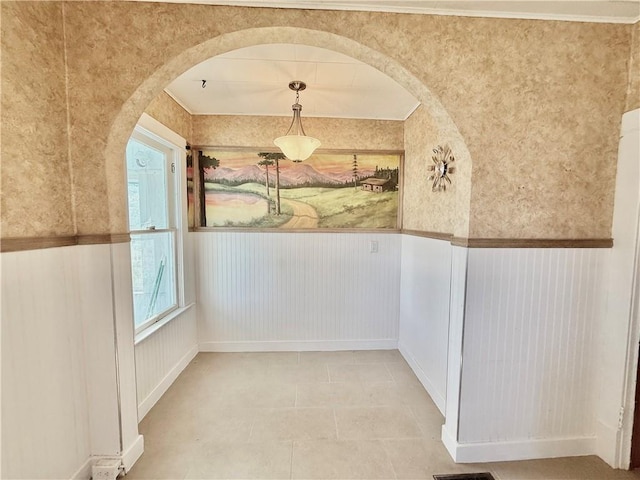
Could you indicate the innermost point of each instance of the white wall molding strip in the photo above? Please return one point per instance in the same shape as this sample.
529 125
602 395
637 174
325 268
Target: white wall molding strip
300 346
518 450
155 395
630 122
128 458
431 389
618 366
131 455
84 472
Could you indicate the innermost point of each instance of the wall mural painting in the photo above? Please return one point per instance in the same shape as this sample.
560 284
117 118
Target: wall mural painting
263 189
190 199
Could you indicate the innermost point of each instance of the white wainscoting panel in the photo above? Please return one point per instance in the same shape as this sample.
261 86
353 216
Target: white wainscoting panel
457 301
45 416
96 304
123 319
162 356
528 354
297 291
424 311
619 331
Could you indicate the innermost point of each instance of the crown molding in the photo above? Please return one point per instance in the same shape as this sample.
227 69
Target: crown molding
416 8
178 101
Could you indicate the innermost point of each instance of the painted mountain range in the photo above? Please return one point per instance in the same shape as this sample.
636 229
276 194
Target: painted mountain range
290 175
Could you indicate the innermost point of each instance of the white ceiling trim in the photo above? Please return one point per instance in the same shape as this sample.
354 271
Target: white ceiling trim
178 101
338 85
544 8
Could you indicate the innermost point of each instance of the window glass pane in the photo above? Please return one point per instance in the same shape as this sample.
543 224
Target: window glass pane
147 186
152 267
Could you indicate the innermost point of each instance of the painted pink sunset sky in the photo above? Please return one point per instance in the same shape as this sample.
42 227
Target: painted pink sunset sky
323 163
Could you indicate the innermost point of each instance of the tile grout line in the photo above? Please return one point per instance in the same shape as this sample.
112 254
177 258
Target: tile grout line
415 419
293 442
386 452
393 379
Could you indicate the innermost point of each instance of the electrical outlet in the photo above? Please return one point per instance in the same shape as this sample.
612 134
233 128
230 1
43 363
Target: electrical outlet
373 246
105 469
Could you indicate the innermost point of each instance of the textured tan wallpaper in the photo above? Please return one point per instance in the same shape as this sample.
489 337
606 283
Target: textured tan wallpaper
633 91
36 187
424 209
333 133
538 103
171 114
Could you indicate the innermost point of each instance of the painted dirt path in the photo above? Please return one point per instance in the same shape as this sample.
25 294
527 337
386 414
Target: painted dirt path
304 215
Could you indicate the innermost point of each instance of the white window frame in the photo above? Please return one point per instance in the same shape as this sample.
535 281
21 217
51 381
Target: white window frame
174 145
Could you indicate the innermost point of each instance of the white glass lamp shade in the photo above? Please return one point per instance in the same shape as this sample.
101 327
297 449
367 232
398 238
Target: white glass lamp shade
297 147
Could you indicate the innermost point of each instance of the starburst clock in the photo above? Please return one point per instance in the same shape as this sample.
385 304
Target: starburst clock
442 159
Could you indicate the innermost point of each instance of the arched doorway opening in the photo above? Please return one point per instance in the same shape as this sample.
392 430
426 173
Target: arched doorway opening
135 106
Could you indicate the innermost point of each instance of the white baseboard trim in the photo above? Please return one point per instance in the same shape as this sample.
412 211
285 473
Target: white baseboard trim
131 455
431 389
165 383
608 443
128 459
449 442
520 450
299 346
84 472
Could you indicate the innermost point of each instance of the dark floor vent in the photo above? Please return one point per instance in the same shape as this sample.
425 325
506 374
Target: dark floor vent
464 476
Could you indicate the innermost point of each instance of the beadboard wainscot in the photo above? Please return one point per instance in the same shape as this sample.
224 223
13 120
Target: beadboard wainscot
527 373
424 311
294 291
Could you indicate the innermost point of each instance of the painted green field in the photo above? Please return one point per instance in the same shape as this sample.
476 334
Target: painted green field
336 207
348 207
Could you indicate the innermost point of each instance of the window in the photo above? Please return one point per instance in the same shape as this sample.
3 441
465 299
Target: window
153 222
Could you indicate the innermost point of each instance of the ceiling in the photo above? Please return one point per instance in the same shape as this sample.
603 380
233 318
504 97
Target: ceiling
616 11
254 80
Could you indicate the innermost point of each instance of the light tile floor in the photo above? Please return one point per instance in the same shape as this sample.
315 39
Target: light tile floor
313 415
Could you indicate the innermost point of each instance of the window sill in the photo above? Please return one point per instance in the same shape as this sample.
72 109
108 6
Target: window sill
147 332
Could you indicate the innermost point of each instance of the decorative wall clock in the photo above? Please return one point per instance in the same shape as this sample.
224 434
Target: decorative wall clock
442 159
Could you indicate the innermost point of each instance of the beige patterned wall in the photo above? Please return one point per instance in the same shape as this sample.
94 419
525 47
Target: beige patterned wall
633 91
423 209
36 186
543 166
333 133
538 103
171 114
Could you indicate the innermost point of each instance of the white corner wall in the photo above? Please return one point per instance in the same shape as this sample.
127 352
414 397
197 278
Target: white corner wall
619 331
43 358
162 356
67 398
527 372
424 311
297 291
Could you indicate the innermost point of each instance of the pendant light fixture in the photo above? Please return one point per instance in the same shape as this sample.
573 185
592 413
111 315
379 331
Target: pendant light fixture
295 144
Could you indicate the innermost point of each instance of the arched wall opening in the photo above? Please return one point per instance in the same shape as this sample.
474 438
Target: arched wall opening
447 131
379 329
